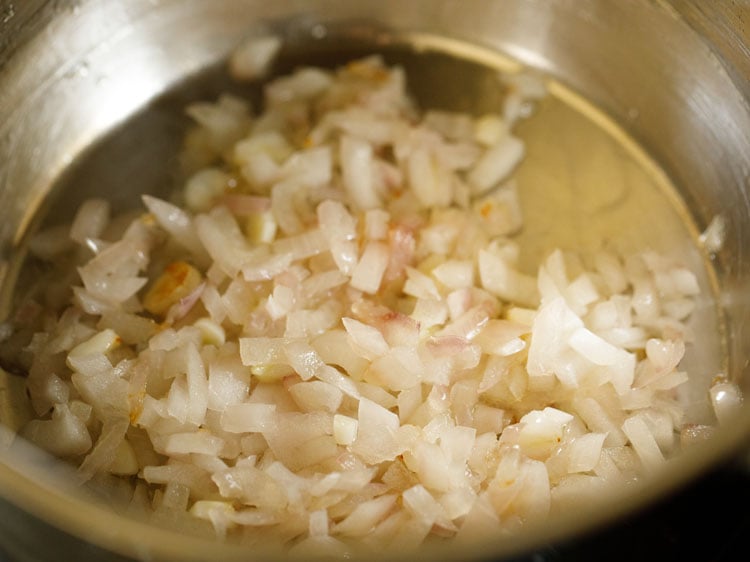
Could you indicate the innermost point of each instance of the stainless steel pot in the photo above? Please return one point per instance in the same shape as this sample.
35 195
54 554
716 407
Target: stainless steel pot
672 75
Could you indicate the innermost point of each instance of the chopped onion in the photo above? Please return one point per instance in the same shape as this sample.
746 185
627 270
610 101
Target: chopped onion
253 57
339 340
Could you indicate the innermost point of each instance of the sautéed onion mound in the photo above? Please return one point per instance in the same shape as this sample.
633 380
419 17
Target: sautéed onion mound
325 340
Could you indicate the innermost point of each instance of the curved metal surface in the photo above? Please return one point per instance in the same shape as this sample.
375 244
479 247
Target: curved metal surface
674 75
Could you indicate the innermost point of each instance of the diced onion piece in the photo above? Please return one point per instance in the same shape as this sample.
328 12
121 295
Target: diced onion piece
376 224
496 164
178 223
455 274
246 418
253 57
643 441
553 326
203 188
90 221
199 442
542 430
178 281
584 452
368 273
358 173
100 343
344 429
211 332
261 227
421 503
317 395
303 84
420 285
428 179
500 210
376 433
489 129
219 513
600 352
370 340
504 281
64 434
197 385
714 235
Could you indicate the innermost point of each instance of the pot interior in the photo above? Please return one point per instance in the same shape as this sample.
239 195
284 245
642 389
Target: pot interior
597 174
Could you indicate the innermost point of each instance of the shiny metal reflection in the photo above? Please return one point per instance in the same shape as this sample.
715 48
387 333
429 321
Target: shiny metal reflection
670 81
